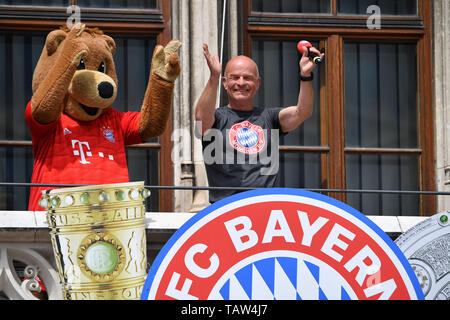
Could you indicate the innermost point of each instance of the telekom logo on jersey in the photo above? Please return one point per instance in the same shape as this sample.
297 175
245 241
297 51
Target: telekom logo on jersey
83 150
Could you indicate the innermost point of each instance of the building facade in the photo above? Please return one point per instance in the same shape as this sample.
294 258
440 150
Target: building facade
381 99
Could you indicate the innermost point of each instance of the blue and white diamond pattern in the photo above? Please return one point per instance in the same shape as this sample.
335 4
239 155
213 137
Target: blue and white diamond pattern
294 276
247 138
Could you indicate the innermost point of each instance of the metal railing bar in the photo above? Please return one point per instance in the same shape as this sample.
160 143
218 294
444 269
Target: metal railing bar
194 188
304 149
384 150
284 148
28 143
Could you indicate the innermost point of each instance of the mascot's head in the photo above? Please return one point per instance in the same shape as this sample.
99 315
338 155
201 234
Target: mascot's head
93 88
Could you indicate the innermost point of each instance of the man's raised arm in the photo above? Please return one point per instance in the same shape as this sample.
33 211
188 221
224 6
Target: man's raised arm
291 117
204 111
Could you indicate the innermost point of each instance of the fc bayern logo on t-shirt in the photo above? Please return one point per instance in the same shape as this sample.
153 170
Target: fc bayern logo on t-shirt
280 244
247 137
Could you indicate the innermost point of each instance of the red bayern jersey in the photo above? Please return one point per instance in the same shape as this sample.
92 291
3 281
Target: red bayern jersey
68 151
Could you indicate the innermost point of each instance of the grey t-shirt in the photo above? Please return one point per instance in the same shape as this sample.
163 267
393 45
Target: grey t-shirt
241 150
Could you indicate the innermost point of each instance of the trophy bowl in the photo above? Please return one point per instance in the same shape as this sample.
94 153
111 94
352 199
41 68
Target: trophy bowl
99 240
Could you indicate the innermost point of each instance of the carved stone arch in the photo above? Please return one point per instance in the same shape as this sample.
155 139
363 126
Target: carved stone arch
10 283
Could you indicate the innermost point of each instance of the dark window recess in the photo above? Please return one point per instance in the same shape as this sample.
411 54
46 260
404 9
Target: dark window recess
292 6
387 7
115 4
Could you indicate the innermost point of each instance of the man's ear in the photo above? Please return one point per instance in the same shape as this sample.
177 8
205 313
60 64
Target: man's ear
258 83
225 82
110 42
53 41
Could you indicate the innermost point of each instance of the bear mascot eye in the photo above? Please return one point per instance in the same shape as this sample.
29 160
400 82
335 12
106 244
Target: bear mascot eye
82 65
102 67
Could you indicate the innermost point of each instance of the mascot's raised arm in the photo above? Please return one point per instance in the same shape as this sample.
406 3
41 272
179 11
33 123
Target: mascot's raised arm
78 138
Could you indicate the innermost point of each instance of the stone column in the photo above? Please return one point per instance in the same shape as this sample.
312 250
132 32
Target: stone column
181 148
193 22
233 28
441 51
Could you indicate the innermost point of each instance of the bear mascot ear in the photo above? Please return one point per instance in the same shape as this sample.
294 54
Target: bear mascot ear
54 39
111 43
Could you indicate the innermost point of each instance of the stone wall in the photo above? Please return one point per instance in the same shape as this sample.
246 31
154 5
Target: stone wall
441 49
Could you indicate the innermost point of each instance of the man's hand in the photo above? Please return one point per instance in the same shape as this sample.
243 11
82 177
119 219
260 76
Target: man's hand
204 111
306 63
291 117
213 63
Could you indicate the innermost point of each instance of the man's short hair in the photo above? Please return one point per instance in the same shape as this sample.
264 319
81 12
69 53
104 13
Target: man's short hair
257 69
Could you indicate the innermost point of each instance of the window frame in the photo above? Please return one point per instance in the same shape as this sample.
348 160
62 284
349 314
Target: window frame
120 21
339 28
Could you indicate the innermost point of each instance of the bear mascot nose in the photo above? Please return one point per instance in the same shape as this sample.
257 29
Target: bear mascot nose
105 89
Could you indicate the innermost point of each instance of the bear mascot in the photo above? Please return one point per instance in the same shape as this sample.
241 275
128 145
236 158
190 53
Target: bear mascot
78 138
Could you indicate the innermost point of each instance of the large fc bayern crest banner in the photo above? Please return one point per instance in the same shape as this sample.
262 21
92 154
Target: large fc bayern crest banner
280 244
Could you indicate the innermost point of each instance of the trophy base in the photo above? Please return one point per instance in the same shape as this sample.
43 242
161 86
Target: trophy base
128 291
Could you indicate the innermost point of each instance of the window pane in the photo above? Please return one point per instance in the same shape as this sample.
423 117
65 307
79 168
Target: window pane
387 7
292 6
129 4
19 54
383 172
143 165
126 4
16 165
380 95
133 62
48 3
278 66
300 170
381 112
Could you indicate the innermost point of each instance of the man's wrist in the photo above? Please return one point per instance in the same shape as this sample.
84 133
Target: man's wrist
214 79
305 74
306 77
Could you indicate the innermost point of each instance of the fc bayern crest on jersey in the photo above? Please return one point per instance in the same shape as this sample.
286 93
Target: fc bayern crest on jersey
247 137
109 135
280 244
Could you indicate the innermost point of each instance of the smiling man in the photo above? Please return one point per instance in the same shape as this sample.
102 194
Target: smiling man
240 141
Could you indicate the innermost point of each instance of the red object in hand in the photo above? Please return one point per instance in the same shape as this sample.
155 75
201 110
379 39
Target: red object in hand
302 44
305 44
